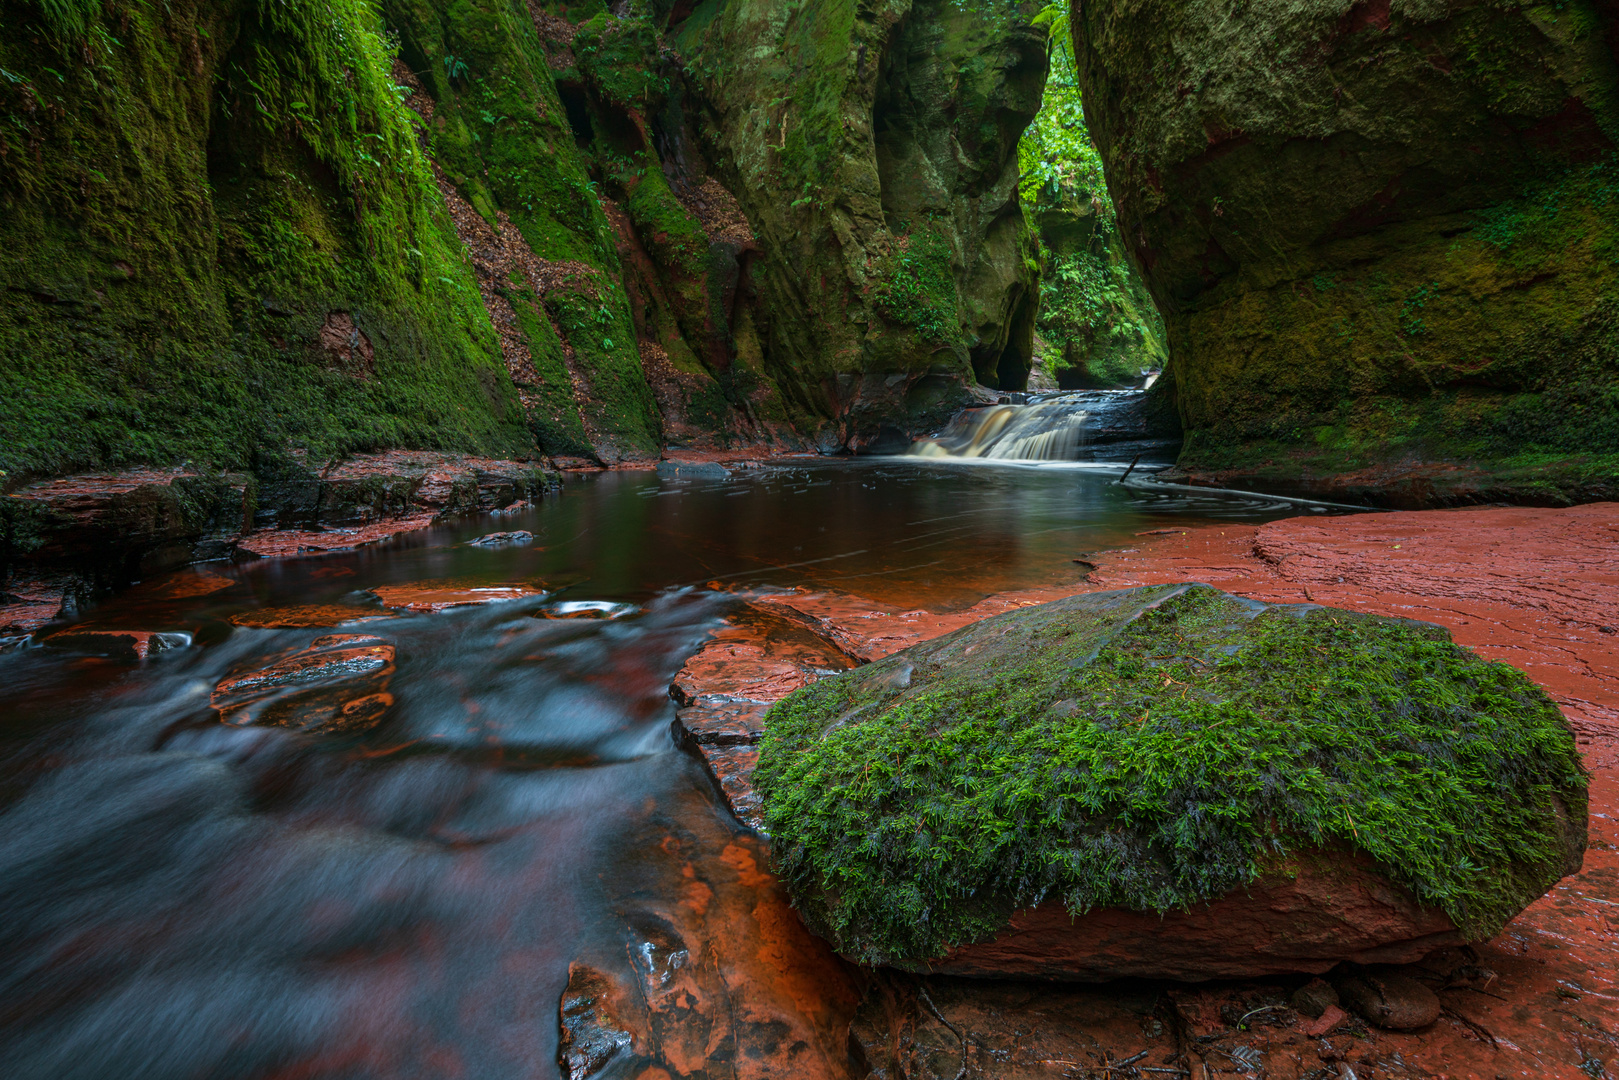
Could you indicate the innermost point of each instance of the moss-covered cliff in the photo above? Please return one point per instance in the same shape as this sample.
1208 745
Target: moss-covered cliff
873 147
219 242
1384 234
235 230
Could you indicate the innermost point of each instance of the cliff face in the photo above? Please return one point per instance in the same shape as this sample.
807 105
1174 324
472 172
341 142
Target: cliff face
873 147
248 234
1383 234
219 242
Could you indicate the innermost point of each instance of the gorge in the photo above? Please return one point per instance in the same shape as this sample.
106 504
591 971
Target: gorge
809 538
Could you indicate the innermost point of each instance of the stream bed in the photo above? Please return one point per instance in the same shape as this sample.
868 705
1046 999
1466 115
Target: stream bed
399 889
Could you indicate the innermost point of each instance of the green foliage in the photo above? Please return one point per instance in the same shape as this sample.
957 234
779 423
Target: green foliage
620 58
1056 156
70 18
1094 310
502 137
914 285
182 209
1107 752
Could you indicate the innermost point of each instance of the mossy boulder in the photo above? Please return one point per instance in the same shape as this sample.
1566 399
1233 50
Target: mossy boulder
1383 235
1173 751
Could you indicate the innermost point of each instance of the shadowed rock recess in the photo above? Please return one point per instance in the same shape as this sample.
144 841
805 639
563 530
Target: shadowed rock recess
1169 781
1383 236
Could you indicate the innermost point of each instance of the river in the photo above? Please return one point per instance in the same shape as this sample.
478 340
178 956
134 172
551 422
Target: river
403 894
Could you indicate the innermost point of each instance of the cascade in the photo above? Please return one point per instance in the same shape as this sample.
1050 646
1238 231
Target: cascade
1085 425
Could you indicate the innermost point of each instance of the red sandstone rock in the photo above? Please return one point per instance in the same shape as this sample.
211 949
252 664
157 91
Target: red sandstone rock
339 683
308 615
1389 999
281 543
441 596
1306 916
136 644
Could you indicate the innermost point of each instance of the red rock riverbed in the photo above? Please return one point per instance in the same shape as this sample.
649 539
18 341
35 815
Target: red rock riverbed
1536 588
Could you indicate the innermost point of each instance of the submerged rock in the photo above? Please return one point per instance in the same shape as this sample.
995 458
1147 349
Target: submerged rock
339 683
430 596
1169 781
501 539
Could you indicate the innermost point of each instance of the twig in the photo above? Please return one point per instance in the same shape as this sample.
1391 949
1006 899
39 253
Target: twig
1256 1012
1472 1025
1131 469
934 1009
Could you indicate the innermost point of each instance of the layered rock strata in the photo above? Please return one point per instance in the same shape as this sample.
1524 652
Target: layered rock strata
64 541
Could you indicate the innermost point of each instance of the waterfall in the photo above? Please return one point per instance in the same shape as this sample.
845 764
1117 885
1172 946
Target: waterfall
1085 425
1049 431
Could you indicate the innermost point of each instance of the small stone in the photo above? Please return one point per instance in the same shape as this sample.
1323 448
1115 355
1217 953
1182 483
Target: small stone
499 539
1330 1018
593 1034
1315 997
1389 999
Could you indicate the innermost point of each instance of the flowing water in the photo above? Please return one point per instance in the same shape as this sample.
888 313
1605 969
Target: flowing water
403 896
1083 425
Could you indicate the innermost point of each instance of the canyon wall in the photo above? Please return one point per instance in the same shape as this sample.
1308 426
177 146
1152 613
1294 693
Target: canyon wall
219 243
874 148
244 234
1384 235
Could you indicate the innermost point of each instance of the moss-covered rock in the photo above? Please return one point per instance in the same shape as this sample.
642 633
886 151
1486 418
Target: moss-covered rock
1381 233
219 241
873 147
1154 748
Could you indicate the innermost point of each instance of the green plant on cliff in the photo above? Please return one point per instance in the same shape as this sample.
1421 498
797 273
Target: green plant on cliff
1096 318
503 138
1158 764
914 285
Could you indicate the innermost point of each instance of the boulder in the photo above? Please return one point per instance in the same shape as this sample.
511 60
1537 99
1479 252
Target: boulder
1169 782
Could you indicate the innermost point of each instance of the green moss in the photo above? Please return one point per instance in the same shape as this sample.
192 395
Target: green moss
914 285
673 236
620 57
189 193
1152 749
502 137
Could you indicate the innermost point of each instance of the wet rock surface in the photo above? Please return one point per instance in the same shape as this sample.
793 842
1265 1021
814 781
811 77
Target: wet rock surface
67 540
428 596
764 652
1390 999
338 683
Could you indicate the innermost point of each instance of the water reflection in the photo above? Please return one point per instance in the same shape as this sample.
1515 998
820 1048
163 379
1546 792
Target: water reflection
402 894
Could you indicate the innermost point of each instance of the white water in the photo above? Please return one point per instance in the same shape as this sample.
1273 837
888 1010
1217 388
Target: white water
1058 427
1049 431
